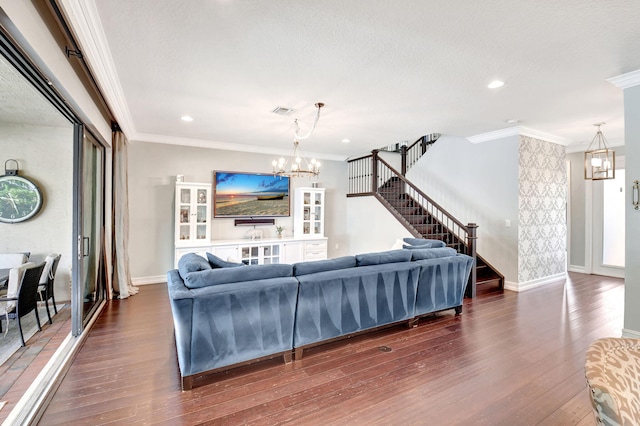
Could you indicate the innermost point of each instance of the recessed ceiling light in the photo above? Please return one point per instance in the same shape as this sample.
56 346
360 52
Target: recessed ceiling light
186 118
511 121
345 140
495 84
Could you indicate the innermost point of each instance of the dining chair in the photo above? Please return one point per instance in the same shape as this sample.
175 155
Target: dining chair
21 302
45 287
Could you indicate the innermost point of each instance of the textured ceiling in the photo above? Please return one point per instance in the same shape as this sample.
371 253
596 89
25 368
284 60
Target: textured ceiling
22 103
387 71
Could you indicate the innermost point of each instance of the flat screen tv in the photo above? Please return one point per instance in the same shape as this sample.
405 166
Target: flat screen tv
241 194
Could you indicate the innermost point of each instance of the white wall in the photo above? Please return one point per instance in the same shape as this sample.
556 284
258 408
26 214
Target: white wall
45 155
477 183
371 226
152 172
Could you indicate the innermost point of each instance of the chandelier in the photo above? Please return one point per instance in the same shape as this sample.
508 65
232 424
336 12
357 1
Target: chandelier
600 162
298 165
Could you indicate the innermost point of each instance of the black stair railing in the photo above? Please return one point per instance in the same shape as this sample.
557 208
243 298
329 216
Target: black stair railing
410 154
371 175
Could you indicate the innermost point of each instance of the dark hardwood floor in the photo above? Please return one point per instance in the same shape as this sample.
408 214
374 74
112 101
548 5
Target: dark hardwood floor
509 359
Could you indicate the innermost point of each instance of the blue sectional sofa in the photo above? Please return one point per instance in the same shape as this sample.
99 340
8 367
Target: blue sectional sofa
229 316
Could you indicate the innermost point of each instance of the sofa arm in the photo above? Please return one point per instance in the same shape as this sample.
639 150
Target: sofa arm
181 301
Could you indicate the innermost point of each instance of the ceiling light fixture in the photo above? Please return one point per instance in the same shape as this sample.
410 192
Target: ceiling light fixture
298 165
600 162
346 140
495 84
186 118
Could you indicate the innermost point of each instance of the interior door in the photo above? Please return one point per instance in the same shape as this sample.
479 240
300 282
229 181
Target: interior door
89 282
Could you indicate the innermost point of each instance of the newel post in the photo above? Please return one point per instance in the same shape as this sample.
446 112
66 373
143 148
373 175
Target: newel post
374 171
403 160
472 238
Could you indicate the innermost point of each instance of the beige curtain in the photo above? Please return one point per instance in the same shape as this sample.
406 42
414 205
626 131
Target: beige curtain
122 285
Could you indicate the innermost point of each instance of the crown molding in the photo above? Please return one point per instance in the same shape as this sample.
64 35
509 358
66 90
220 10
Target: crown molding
85 22
627 80
494 135
518 131
228 146
525 131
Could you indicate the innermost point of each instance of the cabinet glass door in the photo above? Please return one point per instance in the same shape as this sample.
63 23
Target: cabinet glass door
185 196
271 254
249 255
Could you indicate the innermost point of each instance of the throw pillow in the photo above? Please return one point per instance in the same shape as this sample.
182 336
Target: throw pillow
234 275
423 242
432 253
192 262
217 262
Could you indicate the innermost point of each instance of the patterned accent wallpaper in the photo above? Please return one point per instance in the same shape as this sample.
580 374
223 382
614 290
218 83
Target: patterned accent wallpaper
542 201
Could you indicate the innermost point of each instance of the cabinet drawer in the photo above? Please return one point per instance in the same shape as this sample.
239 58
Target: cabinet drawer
315 245
315 250
315 255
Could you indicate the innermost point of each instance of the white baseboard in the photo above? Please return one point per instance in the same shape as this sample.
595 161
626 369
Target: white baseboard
510 285
158 279
528 285
633 334
575 268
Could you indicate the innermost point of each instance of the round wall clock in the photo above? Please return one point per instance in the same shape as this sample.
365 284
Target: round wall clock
20 198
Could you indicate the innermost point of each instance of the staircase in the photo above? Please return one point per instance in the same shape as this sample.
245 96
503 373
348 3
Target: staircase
372 176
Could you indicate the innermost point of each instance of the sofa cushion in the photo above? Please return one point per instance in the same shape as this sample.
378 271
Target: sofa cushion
306 268
390 256
432 253
192 262
217 262
424 243
233 275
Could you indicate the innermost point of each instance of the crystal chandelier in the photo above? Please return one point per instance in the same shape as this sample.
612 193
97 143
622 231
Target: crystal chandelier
298 164
600 162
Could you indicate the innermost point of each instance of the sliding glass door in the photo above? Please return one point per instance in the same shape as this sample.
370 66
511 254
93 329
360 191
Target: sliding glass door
89 283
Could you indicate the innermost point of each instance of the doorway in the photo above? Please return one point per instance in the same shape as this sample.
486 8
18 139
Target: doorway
608 253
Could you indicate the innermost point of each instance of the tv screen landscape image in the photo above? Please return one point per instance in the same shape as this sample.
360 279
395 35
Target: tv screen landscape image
240 194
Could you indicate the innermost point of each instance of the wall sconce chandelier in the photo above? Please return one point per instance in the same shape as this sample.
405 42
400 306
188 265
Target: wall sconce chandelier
599 162
298 165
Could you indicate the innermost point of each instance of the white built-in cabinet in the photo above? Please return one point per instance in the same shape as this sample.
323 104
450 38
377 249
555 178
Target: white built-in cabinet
193 214
193 230
309 210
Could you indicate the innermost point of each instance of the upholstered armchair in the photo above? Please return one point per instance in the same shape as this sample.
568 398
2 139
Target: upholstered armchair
612 369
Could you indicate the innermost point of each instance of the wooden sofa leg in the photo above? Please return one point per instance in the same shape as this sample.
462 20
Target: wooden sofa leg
458 310
413 322
298 354
187 383
288 357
